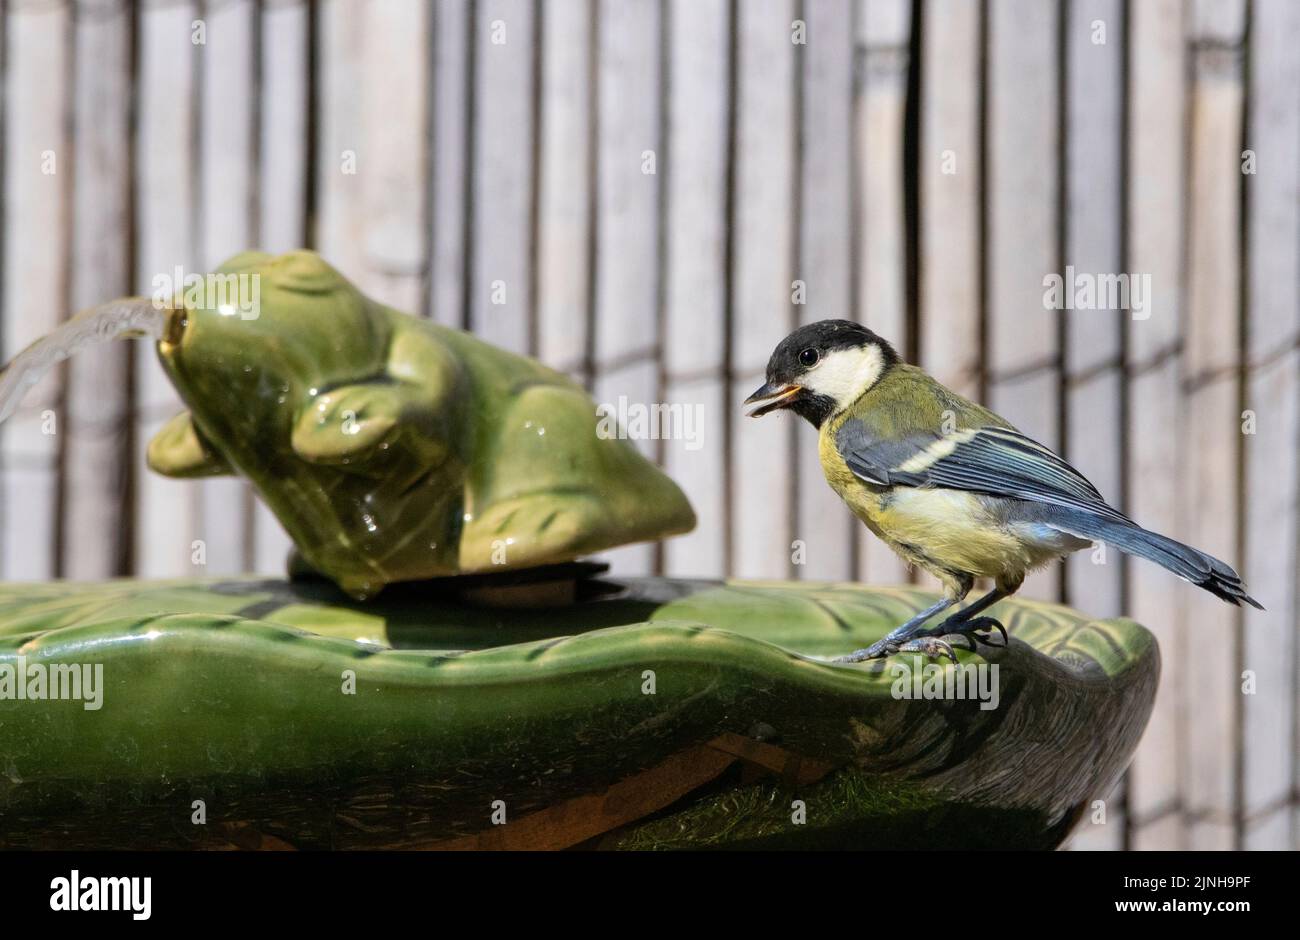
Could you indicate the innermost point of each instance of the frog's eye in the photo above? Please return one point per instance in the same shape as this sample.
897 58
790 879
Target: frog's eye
305 272
809 357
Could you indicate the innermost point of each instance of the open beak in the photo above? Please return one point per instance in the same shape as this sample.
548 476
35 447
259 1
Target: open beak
776 396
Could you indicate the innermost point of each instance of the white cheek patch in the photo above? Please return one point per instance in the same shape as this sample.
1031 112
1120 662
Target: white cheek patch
845 374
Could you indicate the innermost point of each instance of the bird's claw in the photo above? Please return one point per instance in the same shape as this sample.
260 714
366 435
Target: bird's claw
977 628
930 646
988 625
931 642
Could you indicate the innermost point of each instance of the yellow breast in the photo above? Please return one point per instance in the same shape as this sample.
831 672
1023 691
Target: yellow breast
863 498
939 530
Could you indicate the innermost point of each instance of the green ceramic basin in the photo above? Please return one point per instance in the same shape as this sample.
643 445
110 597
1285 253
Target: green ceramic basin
650 713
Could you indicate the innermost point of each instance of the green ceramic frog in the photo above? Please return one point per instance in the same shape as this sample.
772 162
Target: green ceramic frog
394 449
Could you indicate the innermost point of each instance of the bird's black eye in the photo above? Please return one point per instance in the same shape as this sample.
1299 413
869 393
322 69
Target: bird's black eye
808 357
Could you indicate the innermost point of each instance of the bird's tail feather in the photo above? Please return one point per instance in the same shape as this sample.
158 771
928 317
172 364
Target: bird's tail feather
1189 563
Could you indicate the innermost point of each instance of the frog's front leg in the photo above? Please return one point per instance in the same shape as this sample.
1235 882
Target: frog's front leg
350 423
180 450
354 425
418 400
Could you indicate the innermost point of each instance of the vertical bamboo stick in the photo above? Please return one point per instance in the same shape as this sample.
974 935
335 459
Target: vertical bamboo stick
37 190
96 459
1211 482
628 162
565 186
1272 399
500 287
695 275
1155 220
452 51
949 170
762 228
395 68
343 153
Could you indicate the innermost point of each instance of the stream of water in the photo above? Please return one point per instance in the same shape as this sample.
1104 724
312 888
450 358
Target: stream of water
128 317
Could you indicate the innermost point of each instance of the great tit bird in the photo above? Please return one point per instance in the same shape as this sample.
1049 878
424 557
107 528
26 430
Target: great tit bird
947 484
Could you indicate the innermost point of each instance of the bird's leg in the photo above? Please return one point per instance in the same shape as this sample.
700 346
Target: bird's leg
965 623
893 641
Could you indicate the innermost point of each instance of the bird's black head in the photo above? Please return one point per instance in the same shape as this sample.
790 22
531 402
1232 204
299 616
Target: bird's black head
822 368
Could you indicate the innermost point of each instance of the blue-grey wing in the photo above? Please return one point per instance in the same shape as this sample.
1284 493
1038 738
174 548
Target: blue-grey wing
991 460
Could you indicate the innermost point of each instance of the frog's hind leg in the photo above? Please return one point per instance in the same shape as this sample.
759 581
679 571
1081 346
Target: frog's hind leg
548 488
537 529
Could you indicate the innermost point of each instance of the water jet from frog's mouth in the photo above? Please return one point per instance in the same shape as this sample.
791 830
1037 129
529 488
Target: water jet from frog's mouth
128 317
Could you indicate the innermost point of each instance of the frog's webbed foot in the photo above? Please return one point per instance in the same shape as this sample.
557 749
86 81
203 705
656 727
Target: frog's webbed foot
537 529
